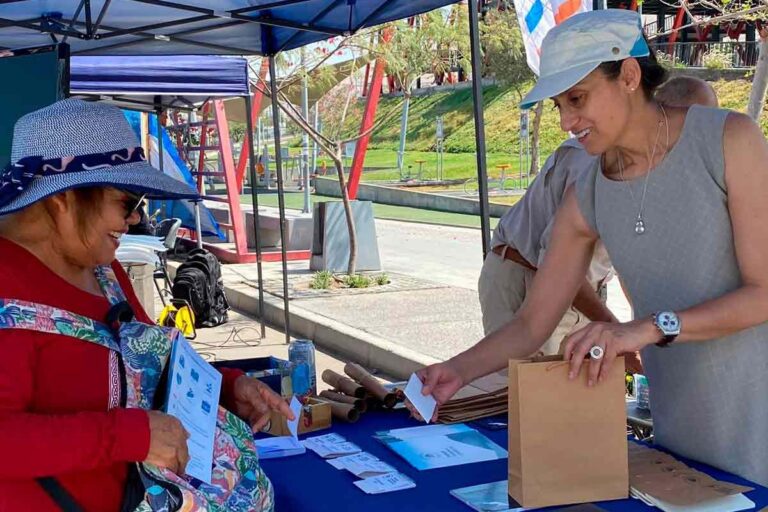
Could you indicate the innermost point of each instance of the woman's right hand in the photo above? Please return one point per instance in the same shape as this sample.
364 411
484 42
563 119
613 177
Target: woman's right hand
167 442
442 381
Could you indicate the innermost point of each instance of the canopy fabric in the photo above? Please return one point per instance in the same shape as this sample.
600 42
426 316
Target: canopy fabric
144 83
194 27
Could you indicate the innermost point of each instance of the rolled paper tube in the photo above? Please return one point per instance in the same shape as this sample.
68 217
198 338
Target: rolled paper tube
370 382
343 384
359 403
345 412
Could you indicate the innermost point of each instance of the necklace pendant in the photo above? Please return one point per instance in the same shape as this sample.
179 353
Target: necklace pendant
639 226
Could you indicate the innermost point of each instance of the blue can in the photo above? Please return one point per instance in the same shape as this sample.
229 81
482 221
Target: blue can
302 354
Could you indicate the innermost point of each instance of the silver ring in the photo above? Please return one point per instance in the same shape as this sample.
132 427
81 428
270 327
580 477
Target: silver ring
596 352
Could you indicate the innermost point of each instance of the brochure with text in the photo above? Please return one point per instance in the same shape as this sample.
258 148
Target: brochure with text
193 398
440 446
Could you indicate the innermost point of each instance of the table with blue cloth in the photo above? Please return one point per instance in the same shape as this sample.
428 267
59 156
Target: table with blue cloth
307 483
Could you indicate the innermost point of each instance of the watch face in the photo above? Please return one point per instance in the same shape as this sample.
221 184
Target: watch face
668 323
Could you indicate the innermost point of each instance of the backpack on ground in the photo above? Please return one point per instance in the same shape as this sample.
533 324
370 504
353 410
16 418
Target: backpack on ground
198 281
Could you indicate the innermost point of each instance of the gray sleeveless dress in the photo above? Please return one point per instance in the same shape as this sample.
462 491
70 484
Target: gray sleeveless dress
709 400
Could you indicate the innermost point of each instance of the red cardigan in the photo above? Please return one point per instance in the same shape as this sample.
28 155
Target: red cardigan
56 414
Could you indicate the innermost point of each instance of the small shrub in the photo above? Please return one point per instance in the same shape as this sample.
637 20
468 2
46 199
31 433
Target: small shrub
382 279
716 58
669 61
321 280
357 281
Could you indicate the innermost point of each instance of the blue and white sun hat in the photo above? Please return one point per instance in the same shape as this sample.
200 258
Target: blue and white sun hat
72 144
576 47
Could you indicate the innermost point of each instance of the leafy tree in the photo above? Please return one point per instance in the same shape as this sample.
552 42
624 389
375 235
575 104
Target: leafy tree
504 58
332 145
435 42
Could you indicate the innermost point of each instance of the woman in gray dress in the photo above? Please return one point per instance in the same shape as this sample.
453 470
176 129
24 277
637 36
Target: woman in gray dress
678 197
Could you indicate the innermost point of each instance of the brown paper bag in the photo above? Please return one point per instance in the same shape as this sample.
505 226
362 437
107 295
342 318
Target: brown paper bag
567 441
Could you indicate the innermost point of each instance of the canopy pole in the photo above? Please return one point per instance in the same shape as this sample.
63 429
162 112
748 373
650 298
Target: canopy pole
198 226
159 140
477 104
305 136
280 191
255 205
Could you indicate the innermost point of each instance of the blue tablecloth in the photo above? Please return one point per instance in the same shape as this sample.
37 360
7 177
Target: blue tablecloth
307 483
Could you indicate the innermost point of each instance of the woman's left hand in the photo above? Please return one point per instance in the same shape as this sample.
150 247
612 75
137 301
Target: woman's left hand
615 339
254 401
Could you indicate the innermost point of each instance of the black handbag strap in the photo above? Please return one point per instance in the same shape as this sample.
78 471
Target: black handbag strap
58 494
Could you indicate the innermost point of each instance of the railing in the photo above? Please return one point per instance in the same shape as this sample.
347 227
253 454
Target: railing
712 55
652 28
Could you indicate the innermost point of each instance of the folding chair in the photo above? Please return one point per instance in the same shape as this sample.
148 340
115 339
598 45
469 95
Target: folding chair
168 231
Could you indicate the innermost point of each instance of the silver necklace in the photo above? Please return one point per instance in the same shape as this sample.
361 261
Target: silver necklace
639 221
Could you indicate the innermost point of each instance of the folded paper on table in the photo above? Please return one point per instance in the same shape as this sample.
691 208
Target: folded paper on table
385 483
484 397
660 479
330 446
274 447
492 497
439 446
362 465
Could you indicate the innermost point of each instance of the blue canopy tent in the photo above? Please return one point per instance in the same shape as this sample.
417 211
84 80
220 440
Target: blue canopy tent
226 27
152 83
195 27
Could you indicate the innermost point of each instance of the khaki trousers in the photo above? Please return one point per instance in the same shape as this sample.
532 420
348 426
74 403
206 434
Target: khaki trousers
502 288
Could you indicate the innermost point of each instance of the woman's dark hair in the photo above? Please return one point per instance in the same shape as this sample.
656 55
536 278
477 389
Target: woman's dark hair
652 74
90 201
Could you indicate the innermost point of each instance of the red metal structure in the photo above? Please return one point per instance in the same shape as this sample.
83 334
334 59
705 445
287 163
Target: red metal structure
368 117
214 117
258 95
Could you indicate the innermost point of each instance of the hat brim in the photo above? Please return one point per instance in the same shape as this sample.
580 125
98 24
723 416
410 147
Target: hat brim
137 177
557 83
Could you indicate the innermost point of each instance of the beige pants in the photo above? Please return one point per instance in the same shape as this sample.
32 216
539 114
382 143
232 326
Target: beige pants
502 288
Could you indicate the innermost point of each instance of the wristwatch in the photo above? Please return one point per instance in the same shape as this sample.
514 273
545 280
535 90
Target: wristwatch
669 324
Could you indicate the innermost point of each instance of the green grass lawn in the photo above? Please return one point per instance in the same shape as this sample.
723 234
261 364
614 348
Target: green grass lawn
455 165
295 200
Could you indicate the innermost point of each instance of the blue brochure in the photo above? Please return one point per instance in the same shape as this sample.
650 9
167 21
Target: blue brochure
440 446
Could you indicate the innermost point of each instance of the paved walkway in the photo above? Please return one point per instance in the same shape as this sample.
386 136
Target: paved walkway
429 312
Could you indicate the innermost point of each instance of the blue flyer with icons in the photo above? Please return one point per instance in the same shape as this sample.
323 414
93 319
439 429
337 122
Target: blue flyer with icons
193 397
441 446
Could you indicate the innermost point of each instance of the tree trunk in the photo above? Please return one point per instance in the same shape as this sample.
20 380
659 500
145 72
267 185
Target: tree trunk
339 163
535 138
759 83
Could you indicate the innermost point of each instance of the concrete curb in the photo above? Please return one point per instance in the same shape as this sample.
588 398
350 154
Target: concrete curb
410 198
364 348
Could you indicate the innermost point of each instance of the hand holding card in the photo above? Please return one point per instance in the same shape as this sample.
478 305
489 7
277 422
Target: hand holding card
425 405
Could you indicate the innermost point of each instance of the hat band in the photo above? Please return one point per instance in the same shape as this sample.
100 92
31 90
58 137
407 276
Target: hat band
16 177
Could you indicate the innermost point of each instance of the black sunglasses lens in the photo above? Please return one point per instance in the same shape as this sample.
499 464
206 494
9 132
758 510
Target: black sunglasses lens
132 204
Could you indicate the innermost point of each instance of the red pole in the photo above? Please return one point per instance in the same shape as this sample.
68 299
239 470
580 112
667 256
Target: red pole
368 117
678 23
255 107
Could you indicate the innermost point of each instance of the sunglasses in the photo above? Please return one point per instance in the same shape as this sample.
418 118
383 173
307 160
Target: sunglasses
132 203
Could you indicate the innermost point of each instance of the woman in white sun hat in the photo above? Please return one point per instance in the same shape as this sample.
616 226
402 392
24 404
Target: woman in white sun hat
678 199
81 364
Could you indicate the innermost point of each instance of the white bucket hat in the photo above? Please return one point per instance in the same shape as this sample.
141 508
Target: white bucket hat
576 47
74 143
